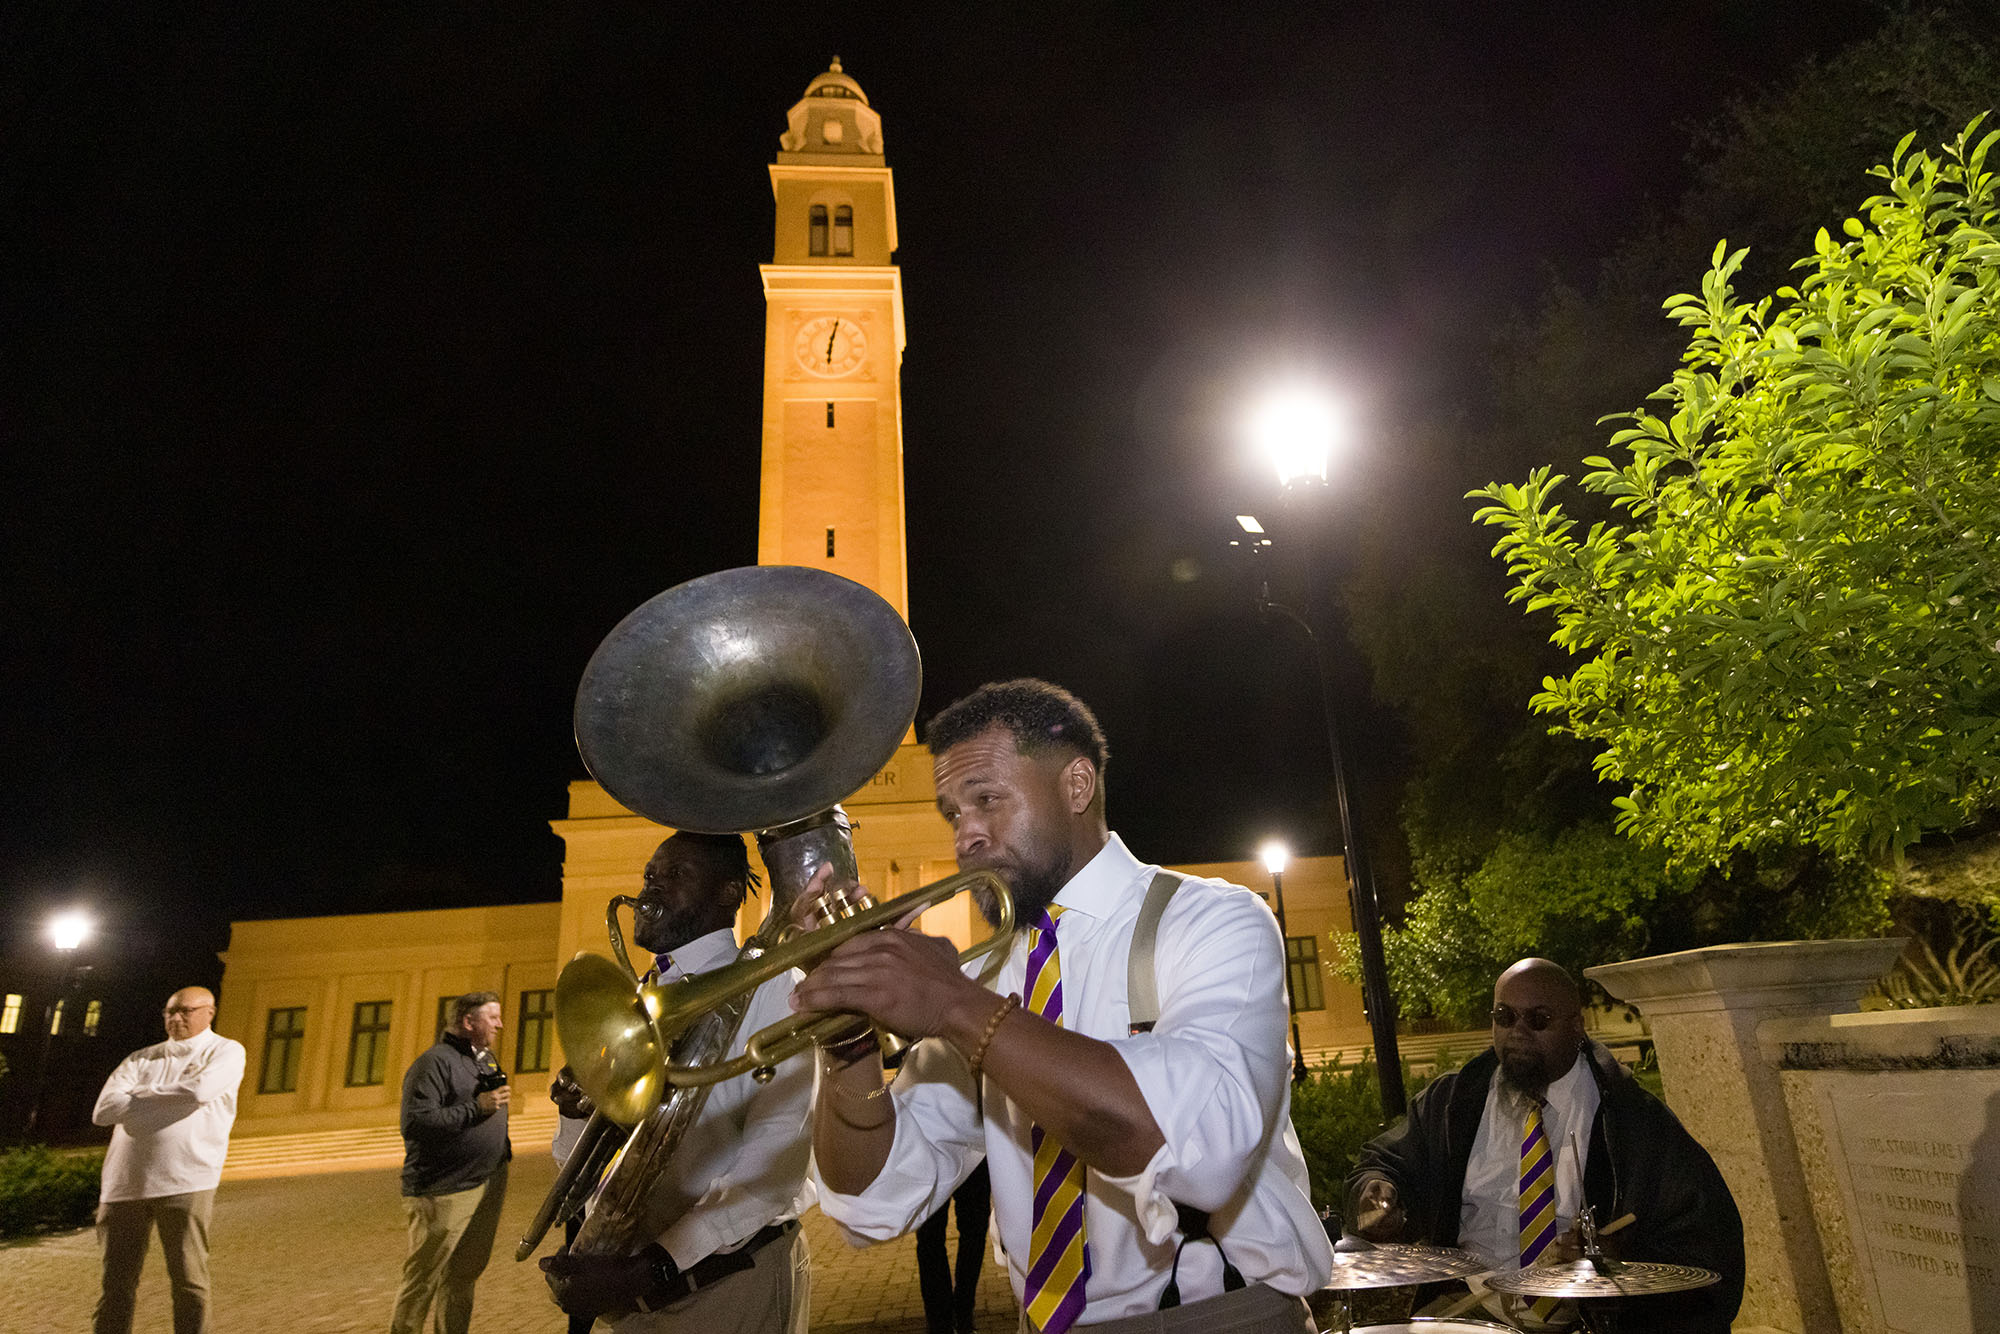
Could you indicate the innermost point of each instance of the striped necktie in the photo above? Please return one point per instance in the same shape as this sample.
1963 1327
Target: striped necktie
1058 1256
1538 1198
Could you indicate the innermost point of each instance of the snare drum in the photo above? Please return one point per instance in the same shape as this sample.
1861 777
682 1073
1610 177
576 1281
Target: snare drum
1422 1325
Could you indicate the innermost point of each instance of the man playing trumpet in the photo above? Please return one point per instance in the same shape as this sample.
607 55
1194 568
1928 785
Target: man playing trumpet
1130 1169
728 1254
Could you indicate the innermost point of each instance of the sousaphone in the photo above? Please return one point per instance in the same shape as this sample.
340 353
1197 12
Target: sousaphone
752 700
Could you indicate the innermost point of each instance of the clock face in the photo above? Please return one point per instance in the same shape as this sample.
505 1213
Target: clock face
831 345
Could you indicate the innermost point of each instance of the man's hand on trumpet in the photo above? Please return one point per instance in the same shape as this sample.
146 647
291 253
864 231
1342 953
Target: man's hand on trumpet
906 982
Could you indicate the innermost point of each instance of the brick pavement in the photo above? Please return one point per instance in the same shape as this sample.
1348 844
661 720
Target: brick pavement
320 1255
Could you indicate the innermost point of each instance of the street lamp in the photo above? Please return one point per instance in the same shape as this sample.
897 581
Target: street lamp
1276 855
1297 428
66 932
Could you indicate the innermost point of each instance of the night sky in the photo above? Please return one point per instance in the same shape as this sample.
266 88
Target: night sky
365 366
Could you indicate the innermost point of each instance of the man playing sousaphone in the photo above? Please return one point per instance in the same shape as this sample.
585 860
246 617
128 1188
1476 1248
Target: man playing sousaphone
1133 1166
728 1254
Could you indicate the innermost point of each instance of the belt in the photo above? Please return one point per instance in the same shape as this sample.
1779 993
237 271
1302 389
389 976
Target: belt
713 1269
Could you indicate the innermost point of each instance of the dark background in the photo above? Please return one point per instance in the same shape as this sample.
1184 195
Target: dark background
365 366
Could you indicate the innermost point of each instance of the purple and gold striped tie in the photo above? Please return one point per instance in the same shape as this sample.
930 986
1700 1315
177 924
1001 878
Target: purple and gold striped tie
1058 1256
1538 1199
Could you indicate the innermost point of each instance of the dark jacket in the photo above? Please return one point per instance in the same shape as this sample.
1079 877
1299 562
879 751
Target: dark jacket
1640 1162
448 1143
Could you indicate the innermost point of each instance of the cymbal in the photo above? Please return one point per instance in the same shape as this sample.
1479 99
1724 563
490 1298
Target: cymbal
1401 1264
1634 1278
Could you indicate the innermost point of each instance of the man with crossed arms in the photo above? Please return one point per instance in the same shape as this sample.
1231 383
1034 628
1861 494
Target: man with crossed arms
170 1107
1101 1142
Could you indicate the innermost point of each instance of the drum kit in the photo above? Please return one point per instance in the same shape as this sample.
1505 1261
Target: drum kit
1591 1282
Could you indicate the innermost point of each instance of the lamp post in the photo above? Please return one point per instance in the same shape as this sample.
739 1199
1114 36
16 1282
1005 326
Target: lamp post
1276 855
66 933
1297 428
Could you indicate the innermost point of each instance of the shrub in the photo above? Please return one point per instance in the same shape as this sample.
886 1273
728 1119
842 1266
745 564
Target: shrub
42 1190
1335 1111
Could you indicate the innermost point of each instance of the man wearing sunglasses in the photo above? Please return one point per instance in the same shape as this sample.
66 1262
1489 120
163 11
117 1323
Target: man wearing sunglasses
1549 1107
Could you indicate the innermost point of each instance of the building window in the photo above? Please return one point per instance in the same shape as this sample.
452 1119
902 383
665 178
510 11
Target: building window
284 1041
843 230
829 544
829 414
10 1013
56 1017
816 230
368 1044
532 1030
93 1015
1302 962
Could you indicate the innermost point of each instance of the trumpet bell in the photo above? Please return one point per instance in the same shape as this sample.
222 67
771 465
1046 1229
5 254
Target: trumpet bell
609 1039
748 698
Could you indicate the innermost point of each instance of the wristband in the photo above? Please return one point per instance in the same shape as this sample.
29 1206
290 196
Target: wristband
1005 1008
665 1284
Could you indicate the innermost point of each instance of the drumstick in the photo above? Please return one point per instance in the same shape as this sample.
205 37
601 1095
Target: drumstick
1622 1221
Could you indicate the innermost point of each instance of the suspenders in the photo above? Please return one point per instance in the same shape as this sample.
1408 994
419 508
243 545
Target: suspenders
1142 994
1142 998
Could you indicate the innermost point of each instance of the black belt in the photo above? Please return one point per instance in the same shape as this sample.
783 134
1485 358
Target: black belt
721 1265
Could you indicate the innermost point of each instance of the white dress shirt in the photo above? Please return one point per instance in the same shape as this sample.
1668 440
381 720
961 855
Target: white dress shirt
743 1162
1490 1215
170 1107
1214 1072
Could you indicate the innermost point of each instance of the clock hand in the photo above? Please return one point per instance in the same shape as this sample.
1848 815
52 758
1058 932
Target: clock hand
832 334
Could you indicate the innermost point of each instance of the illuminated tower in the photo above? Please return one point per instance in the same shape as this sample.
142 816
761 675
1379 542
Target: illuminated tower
832 490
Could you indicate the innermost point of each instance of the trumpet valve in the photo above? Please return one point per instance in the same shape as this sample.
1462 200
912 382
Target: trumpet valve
837 903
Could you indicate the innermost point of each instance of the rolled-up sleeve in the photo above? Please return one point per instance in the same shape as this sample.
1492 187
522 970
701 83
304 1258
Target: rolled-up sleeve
1213 1071
938 1142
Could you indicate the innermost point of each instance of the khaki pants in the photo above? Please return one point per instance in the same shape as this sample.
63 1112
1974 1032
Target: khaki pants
451 1239
772 1297
125 1231
1256 1309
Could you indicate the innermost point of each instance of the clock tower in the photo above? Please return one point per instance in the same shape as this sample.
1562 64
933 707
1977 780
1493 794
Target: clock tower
832 490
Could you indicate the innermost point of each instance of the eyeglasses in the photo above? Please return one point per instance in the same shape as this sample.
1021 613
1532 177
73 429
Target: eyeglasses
1537 1019
173 1010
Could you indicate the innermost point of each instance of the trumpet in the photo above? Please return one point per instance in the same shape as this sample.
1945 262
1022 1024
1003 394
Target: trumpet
618 1041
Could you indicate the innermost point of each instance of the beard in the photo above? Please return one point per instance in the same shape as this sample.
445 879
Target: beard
1530 1072
1033 886
667 929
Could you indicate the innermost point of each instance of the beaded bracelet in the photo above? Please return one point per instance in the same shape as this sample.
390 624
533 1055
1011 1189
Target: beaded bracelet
1005 1008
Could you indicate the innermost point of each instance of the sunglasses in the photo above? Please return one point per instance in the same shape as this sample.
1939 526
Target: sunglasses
1537 1019
173 1010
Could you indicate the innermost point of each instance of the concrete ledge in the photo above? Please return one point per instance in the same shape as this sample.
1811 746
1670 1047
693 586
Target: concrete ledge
1773 975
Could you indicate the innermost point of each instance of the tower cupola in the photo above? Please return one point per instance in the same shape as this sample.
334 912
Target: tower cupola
832 124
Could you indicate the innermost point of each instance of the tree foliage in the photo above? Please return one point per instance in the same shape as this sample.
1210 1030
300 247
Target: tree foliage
1585 895
1791 637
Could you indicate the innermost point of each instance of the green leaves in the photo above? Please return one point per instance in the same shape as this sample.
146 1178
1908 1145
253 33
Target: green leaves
1788 637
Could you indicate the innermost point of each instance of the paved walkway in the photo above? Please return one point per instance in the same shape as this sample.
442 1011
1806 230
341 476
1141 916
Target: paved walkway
320 1255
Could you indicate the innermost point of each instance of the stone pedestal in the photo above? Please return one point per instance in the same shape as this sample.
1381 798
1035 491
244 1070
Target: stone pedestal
1704 1007
1897 1115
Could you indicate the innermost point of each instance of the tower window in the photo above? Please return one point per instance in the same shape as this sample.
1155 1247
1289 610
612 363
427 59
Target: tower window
10 1012
816 230
843 230
829 544
829 414
93 1015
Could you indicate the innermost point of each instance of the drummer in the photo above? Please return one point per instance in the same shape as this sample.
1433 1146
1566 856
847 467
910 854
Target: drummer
1549 1106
